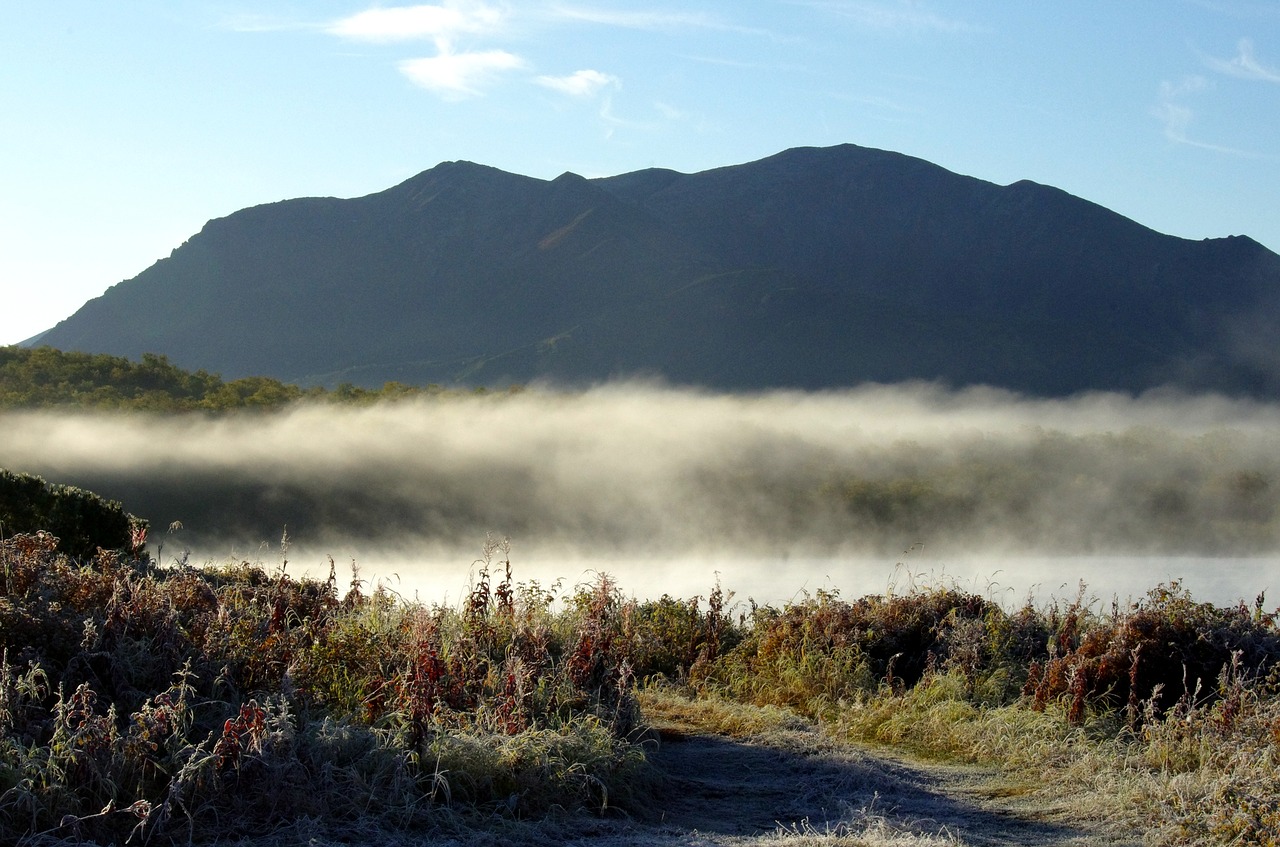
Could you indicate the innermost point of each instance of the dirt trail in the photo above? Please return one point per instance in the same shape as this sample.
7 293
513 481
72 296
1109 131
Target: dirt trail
719 790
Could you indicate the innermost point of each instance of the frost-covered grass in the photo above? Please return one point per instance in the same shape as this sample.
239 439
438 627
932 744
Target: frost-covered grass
1162 717
171 704
139 702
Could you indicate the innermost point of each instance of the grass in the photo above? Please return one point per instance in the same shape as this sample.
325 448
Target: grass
666 707
1163 717
141 702
148 704
864 831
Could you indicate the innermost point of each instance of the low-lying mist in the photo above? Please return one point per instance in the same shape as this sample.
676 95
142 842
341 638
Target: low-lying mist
777 492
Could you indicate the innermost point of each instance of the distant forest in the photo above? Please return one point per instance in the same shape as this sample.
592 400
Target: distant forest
45 377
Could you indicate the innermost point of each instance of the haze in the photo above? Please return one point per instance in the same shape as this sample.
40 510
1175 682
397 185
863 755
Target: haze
777 493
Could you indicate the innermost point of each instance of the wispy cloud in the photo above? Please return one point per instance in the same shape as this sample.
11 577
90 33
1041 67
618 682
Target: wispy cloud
630 19
457 76
464 66
652 19
451 74
584 83
892 15
1172 112
413 23
1176 116
587 84
1245 65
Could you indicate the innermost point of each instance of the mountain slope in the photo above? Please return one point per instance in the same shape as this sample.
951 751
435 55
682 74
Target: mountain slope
817 267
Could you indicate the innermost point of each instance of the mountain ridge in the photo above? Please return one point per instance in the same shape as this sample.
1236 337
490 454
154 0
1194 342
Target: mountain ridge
811 268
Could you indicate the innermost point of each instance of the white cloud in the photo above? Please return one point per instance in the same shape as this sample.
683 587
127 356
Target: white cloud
635 20
1177 116
440 23
1172 112
651 19
451 74
1245 65
456 76
584 83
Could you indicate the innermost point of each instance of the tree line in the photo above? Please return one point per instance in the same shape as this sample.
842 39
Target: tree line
45 377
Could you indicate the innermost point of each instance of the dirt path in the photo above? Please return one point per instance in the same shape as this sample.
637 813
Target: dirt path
722 791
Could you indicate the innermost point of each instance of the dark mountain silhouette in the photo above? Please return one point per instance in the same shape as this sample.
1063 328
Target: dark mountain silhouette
814 268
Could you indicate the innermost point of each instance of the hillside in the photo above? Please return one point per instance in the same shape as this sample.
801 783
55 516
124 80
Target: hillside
814 268
48 378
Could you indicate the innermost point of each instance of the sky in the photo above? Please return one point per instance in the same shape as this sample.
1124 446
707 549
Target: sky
124 127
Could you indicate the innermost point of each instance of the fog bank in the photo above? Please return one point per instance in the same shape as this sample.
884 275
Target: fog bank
654 477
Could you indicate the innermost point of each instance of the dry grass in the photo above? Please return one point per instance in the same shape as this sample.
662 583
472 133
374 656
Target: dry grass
669 709
140 702
866 830
236 704
1204 773
1161 718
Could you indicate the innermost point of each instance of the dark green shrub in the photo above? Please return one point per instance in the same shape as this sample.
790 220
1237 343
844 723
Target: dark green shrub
82 521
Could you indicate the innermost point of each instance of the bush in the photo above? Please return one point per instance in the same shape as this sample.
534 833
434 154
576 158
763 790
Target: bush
1163 649
824 650
82 521
213 703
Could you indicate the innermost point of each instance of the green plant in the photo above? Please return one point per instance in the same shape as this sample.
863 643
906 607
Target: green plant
82 521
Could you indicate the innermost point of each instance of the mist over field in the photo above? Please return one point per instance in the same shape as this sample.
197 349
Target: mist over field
776 492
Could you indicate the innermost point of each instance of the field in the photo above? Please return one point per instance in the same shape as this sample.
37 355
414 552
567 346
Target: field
597 679
237 704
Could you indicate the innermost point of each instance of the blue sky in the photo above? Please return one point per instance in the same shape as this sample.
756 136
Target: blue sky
126 126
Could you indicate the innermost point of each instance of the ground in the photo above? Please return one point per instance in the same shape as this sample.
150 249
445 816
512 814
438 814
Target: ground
794 785
773 778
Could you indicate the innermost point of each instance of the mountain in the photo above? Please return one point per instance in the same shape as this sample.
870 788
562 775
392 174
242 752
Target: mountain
813 268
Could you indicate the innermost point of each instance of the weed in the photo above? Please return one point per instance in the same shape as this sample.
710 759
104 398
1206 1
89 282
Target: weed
214 702
173 703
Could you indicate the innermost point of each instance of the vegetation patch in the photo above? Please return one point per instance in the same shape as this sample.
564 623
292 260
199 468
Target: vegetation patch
82 520
144 703
140 702
44 377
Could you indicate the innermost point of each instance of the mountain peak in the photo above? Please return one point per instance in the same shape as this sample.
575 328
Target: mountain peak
812 268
